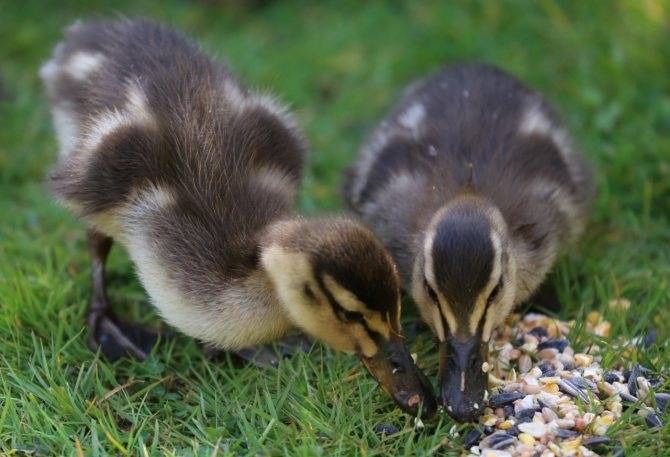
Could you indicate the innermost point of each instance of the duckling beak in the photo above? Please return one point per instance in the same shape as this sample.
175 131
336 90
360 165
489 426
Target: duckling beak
461 376
399 376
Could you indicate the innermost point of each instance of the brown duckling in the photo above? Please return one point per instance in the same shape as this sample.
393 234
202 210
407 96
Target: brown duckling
163 151
475 188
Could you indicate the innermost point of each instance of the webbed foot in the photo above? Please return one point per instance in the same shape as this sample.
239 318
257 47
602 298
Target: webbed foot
267 355
119 339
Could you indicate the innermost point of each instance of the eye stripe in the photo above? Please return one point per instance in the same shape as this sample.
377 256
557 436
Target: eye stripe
431 292
494 293
489 301
351 316
337 309
375 336
445 325
309 293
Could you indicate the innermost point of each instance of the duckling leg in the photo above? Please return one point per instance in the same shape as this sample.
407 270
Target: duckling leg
115 339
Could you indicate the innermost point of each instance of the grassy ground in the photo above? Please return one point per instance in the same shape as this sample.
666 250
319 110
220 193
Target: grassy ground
340 64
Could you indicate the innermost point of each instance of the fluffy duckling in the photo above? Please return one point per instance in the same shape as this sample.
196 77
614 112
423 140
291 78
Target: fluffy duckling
474 186
162 150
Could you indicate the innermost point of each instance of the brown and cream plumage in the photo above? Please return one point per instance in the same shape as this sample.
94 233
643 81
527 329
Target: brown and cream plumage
475 187
164 151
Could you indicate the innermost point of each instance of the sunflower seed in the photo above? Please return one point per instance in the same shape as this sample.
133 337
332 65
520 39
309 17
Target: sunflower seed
496 401
546 369
627 398
539 332
568 387
632 380
499 440
525 415
559 345
653 420
386 429
509 410
595 441
472 438
566 434
662 400
612 377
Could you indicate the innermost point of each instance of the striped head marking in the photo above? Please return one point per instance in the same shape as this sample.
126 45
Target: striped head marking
463 284
336 283
464 278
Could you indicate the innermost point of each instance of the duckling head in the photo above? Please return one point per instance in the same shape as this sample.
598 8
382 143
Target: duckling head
463 283
337 283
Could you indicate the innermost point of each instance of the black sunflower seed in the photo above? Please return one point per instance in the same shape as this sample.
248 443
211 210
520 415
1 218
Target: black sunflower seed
595 441
568 387
583 383
632 379
662 400
472 438
565 433
560 345
627 398
525 415
499 440
612 377
505 398
547 369
539 332
518 342
386 429
653 420
513 430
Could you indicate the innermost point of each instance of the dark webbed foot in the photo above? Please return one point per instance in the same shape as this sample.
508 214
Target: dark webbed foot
262 356
268 355
293 344
115 339
119 339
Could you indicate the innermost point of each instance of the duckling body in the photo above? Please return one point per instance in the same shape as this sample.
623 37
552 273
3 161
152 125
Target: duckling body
475 187
162 150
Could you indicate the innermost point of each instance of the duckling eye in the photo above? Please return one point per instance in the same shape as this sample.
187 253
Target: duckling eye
352 316
495 292
309 293
431 293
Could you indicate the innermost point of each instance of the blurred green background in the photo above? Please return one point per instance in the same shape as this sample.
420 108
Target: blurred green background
340 65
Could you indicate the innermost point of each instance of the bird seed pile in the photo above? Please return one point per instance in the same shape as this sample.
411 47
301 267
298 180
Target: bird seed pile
546 400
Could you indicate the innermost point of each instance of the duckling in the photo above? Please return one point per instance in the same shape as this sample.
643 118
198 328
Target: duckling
163 151
475 187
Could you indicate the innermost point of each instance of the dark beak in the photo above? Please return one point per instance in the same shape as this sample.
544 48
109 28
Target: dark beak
461 376
399 376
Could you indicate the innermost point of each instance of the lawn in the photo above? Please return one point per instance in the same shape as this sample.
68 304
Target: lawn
340 65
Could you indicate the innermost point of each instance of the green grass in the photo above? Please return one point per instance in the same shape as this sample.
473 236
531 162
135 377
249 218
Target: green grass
341 65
